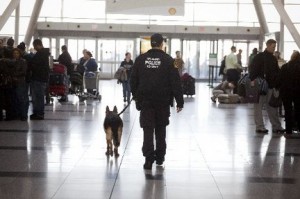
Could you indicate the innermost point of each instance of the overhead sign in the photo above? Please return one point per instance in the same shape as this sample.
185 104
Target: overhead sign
146 7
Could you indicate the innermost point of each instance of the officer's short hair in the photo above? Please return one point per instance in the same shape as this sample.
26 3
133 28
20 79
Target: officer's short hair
156 40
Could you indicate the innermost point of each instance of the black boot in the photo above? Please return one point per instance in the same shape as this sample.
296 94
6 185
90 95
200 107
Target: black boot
148 165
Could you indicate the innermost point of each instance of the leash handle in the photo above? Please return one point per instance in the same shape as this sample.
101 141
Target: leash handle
125 107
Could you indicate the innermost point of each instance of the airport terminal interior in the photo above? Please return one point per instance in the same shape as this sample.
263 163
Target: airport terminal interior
213 149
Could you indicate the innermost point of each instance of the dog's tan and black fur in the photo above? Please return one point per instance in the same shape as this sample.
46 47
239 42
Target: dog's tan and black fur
113 127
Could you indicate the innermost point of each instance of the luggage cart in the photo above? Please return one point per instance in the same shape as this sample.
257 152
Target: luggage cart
91 86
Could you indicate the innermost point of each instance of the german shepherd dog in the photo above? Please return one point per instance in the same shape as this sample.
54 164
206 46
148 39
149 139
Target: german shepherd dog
113 127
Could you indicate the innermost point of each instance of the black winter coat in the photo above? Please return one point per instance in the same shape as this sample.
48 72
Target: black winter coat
265 65
290 79
39 66
155 79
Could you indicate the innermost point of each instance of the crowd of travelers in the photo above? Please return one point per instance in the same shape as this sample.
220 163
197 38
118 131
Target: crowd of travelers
23 72
279 75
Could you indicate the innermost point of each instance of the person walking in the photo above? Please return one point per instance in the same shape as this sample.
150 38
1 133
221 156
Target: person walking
290 92
154 83
265 65
127 66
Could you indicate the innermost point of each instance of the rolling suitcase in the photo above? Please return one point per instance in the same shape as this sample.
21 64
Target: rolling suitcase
188 84
58 81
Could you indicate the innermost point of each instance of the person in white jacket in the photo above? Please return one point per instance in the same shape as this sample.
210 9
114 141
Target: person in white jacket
233 68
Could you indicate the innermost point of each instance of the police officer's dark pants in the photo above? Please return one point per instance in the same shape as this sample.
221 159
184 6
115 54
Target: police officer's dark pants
148 146
154 120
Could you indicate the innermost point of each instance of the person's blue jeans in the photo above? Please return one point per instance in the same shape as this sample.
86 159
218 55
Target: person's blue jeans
126 90
22 100
38 93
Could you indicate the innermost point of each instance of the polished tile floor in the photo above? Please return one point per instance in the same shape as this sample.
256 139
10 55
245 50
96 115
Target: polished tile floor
213 153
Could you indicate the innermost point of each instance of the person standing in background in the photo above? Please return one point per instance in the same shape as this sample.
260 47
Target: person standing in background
265 66
39 68
127 65
239 57
290 92
179 63
233 68
251 57
21 101
66 60
9 48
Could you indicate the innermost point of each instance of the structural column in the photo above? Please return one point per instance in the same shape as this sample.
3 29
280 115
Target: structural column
8 11
33 21
17 24
261 16
287 21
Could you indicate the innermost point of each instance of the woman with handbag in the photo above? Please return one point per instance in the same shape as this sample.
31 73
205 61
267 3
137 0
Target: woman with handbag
290 92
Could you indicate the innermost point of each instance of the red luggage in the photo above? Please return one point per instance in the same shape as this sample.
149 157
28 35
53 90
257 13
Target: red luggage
59 68
58 81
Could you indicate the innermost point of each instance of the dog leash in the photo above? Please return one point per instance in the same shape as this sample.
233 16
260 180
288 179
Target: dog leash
125 107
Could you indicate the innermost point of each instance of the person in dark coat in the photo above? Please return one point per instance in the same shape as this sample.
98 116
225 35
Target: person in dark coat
21 101
155 81
9 48
290 92
265 66
66 59
39 68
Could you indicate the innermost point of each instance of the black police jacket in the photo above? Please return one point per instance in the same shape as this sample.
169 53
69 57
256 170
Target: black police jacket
155 79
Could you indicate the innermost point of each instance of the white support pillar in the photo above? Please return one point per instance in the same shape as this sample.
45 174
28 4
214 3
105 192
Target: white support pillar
261 16
281 44
33 20
287 21
17 24
8 11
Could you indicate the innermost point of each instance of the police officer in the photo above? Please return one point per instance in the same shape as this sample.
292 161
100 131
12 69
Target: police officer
154 83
